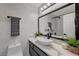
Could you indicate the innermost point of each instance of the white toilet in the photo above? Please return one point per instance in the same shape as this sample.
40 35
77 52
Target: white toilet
15 50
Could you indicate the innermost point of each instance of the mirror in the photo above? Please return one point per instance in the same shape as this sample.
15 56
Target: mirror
60 23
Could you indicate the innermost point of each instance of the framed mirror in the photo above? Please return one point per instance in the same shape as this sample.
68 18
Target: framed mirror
61 23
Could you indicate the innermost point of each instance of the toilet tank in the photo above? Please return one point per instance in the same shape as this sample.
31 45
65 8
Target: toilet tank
15 50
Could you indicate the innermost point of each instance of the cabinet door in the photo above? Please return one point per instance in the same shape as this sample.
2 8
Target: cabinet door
31 51
39 51
35 51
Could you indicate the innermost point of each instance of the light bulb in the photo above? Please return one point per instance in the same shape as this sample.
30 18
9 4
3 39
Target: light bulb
45 6
48 4
41 8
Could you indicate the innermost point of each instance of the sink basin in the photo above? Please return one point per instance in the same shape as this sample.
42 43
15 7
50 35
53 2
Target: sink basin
44 40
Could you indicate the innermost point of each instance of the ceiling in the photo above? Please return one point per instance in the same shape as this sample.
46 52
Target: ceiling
36 4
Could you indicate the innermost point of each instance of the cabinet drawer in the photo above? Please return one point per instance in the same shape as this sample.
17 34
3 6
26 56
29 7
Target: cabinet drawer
39 51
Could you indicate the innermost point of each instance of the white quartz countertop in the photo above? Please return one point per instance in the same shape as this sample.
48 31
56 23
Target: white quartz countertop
55 49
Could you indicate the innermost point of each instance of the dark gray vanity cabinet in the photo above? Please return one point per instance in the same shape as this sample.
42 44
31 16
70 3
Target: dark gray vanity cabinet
31 50
15 25
35 51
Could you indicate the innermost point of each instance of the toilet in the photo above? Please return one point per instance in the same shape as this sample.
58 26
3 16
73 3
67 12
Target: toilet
15 50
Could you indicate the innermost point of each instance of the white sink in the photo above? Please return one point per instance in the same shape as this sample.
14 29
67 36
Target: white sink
44 40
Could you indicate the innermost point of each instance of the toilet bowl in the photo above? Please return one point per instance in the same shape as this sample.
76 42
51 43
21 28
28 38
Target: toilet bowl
15 50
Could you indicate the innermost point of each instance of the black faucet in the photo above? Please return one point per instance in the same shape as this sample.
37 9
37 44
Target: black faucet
49 35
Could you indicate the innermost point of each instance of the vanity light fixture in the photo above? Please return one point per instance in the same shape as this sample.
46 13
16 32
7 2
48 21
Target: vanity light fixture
44 7
48 4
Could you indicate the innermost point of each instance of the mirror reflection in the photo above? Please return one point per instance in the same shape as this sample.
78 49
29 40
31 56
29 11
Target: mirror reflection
60 24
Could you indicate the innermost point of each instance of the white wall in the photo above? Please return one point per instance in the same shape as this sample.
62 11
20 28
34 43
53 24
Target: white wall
69 24
28 25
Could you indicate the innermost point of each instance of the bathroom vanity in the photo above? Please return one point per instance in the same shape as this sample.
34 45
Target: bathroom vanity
64 22
35 51
55 49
